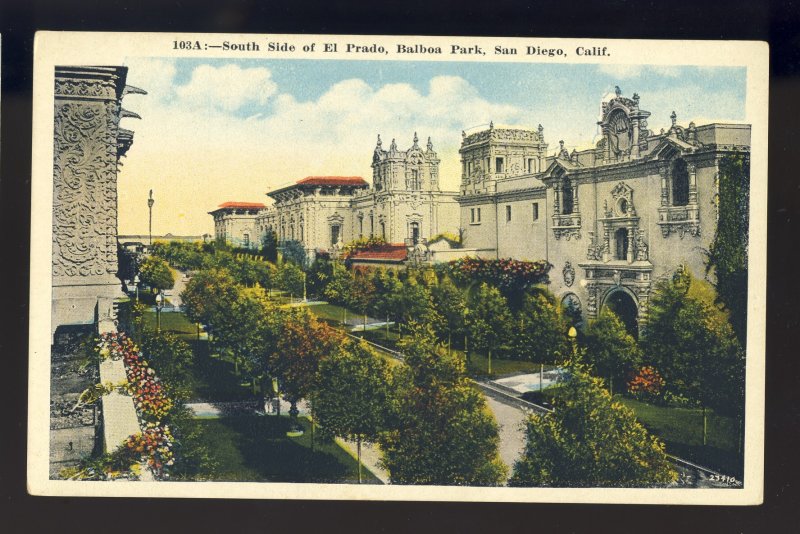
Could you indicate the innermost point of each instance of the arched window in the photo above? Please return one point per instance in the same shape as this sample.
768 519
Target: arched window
680 183
567 197
621 241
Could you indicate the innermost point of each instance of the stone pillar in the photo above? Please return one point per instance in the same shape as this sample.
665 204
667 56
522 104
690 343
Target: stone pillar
664 171
88 143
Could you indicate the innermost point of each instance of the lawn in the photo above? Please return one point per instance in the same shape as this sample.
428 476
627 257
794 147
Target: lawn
212 379
174 322
329 312
477 366
256 449
681 429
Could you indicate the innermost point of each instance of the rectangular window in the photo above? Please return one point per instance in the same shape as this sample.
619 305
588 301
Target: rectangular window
479 215
508 213
472 215
498 165
535 211
530 165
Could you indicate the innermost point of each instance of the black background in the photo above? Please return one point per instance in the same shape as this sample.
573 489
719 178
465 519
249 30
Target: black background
778 23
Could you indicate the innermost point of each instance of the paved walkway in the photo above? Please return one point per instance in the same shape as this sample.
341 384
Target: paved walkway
512 435
370 456
174 294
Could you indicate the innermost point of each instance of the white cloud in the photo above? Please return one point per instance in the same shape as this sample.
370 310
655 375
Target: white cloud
195 154
153 75
227 88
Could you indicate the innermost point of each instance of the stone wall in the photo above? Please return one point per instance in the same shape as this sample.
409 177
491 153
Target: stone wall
87 145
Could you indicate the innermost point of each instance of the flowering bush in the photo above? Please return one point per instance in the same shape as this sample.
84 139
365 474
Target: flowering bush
360 245
153 445
505 274
646 385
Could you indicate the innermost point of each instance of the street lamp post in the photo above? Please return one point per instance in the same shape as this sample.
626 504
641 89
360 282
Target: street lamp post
136 285
573 334
159 305
150 202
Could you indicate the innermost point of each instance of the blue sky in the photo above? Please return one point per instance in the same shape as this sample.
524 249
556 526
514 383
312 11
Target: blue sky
233 129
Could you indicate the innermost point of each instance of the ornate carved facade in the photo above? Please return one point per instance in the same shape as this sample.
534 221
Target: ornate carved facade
403 205
621 214
88 143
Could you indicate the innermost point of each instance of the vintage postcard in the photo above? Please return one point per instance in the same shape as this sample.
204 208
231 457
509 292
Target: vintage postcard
398 268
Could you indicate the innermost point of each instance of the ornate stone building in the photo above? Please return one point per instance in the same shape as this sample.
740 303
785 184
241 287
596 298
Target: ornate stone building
610 219
404 204
235 224
88 145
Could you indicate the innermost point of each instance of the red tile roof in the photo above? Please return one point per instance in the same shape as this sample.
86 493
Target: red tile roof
393 252
242 205
332 180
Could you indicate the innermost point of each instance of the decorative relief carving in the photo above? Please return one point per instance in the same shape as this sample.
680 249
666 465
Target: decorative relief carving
101 89
595 250
567 233
569 274
85 187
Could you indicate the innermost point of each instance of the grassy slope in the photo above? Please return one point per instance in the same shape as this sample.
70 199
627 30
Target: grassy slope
257 449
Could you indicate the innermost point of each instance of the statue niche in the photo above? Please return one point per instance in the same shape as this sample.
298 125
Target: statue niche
620 134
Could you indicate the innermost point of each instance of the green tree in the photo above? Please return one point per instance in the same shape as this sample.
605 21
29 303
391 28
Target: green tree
155 272
339 285
290 278
727 256
303 343
294 252
269 246
319 275
209 296
610 349
540 331
415 304
441 429
362 292
590 441
352 392
694 347
249 331
451 304
489 320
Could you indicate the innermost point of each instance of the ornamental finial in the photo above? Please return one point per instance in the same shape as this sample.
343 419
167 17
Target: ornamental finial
674 118
430 144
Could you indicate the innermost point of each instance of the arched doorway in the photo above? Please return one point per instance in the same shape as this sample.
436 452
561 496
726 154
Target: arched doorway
624 306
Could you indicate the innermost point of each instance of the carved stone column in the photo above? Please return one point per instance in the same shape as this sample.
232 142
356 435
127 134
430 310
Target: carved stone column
664 171
87 143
